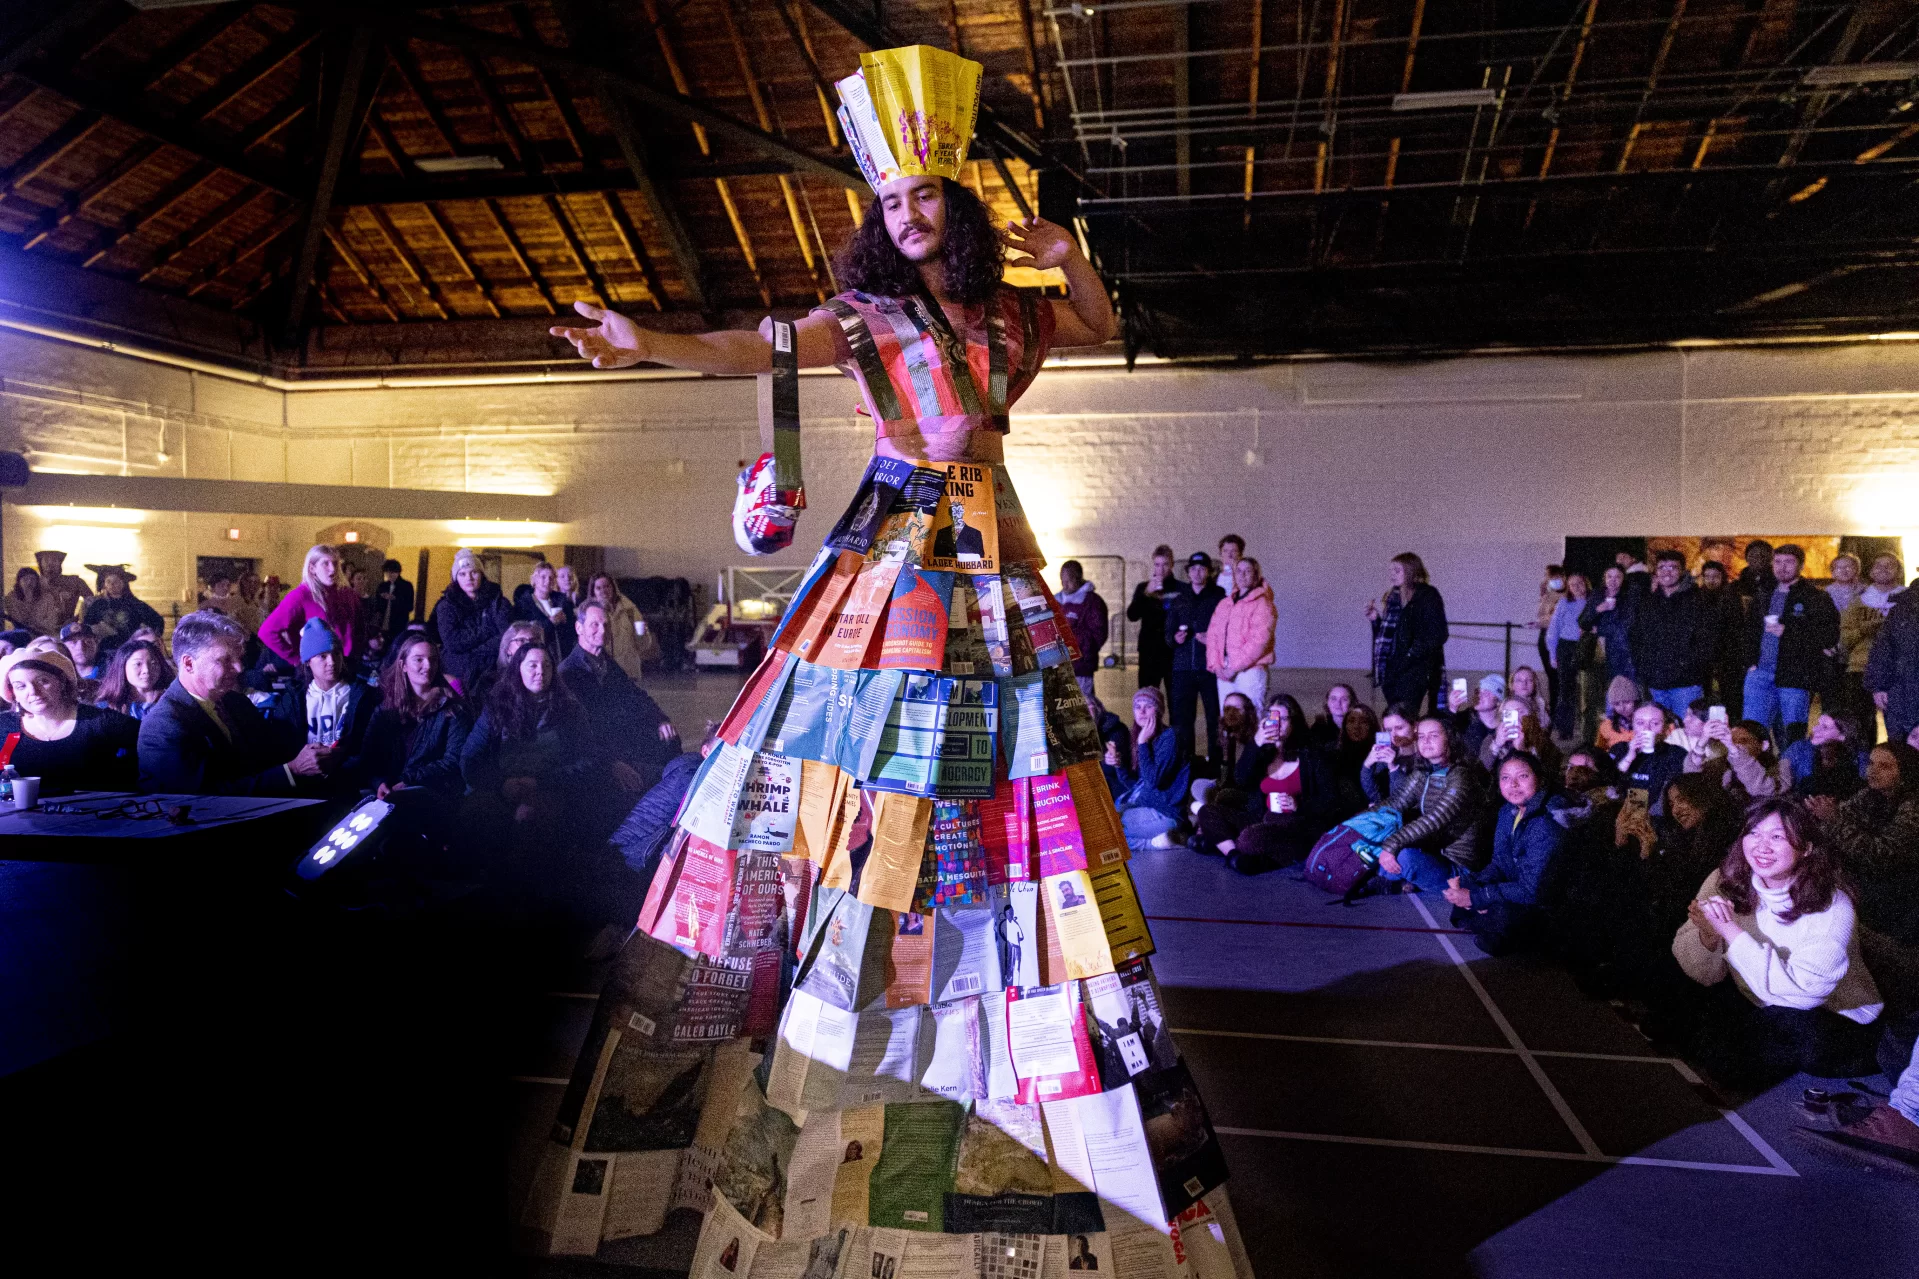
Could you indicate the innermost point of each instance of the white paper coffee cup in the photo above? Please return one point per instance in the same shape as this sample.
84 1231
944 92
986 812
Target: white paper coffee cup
26 793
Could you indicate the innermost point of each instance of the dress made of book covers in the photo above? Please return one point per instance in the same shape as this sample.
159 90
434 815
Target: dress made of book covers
889 1011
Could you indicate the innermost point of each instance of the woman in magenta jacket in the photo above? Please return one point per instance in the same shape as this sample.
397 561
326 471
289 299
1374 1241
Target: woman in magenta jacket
320 594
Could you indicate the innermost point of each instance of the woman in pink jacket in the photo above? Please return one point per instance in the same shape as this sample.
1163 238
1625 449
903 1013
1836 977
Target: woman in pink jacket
1239 643
320 595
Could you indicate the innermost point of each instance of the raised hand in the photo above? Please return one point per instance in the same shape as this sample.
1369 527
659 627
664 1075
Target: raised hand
616 343
1044 243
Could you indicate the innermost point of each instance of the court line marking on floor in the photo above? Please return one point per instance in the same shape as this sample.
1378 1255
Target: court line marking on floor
1302 923
545 1081
1777 1165
1446 1147
1501 1050
1538 1072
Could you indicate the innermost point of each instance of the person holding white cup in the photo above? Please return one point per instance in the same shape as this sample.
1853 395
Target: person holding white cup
63 745
629 641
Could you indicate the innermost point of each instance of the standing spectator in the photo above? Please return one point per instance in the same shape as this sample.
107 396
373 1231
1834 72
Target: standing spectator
626 729
1232 549
1329 725
1859 626
1892 668
1552 593
1155 785
392 604
1566 651
319 594
1239 643
1148 608
1755 581
1775 919
252 608
116 613
1502 903
1440 802
33 607
469 620
1788 635
1189 613
1409 636
1845 587
1609 616
136 679
205 737
1671 637
1086 614
67 744
1725 615
544 603
628 640
571 584
219 594
68 589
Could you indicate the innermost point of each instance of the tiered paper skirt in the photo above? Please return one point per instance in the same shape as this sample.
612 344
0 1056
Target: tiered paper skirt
889 1011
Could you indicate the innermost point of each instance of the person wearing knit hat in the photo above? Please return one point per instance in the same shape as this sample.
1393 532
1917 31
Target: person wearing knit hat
331 709
468 621
67 745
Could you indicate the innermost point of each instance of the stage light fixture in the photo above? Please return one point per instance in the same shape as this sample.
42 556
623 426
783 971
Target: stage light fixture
357 835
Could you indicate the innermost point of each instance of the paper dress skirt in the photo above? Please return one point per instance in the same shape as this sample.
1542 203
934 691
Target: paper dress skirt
889 1008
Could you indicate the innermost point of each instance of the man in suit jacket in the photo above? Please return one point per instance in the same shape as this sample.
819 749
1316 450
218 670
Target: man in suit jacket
204 737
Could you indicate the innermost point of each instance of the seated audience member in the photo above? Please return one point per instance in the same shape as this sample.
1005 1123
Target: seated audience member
1646 760
1440 804
1830 760
1386 763
467 622
1348 756
1615 726
332 710
83 650
34 608
1476 723
628 640
1329 723
321 592
626 729
1282 800
204 737
1751 767
1876 834
1774 918
1155 787
541 601
528 757
1238 721
1886 1137
67 745
13 640
1528 687
115 613
1503 902
1592 773
416 736
1520 728
136 679
644 834
1116 745
1703 749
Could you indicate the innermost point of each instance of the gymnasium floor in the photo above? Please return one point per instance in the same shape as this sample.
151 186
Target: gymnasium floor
1392 1102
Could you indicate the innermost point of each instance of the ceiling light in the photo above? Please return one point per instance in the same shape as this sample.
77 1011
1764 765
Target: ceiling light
1444 98
1862 72
460 164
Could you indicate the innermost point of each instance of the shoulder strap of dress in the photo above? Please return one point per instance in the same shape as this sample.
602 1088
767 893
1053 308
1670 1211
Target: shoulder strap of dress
859 340
1030 354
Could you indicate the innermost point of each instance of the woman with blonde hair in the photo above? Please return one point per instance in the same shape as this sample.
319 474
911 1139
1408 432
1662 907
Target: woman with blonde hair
322 593
628 641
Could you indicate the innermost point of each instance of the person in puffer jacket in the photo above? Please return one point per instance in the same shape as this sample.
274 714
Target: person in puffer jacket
1501 903
1440 804
1239 641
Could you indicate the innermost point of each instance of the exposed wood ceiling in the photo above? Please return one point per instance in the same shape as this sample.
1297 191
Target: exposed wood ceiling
1640 170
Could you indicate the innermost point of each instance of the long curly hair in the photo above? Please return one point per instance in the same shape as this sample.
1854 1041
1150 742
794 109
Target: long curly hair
972 251
1815 876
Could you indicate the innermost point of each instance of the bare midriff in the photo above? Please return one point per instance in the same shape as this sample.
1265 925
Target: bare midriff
963 440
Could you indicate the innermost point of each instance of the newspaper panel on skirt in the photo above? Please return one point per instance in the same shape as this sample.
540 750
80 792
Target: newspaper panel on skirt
889 1009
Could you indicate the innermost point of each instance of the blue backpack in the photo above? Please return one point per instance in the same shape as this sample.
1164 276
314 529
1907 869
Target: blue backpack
1348 855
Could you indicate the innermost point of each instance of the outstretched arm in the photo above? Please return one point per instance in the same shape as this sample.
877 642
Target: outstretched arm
617 342
1086 318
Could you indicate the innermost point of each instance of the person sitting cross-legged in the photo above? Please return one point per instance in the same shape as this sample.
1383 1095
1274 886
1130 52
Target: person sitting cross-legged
1502 904
204 737
1439 800
1283 799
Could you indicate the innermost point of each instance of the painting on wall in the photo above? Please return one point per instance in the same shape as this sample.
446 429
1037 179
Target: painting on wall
1591 555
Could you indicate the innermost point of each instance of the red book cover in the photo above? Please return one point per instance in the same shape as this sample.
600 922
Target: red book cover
1046 1037
1056 826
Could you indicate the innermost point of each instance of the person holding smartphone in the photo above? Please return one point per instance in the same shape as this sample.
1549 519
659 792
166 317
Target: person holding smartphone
1392 754
1281 799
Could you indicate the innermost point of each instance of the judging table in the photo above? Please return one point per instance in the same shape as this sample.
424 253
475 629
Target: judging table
89 826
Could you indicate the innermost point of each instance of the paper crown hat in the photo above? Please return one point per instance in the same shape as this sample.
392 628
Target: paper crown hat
909 112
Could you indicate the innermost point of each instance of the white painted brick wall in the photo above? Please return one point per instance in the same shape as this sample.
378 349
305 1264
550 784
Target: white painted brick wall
1328 468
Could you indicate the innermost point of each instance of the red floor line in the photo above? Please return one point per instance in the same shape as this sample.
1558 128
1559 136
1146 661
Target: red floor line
1300 923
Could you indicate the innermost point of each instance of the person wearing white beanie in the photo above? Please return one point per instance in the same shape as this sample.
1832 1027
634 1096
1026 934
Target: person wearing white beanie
468 621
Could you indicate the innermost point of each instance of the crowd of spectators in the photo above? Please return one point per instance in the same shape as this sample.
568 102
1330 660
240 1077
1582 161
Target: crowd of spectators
1722 843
